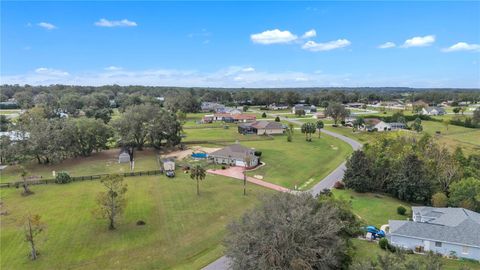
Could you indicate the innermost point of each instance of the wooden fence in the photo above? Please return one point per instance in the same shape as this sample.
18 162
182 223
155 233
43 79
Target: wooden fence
78 178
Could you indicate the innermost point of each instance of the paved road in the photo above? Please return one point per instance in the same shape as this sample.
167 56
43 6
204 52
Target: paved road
223 263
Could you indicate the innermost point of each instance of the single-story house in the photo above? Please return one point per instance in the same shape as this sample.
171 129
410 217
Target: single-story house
349 121
320 115
448 231
375 124
276 107
355 105
234 155
124 155
261 128
433 111
207 118
397 126
212 107
230 118
306 108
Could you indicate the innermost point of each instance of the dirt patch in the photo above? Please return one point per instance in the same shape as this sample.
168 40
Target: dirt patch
181 154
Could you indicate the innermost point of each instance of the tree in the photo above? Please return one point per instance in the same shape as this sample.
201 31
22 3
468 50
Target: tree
277 119
181 116
289 132
456 110
264 115
417 125
300 112
358 175
337 112
132 126
308 129
439 199
112 202
357 123
33 226
26 189
71 104
320 125
62 178
290 232
399 260
476 116
466 194
182 100
248 160
197 173
4 123
410 182
89 135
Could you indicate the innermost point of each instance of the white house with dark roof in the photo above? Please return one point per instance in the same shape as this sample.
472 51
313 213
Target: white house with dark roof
433 111
306 108
448 231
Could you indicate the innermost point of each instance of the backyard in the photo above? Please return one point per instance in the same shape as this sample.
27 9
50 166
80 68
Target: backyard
182 231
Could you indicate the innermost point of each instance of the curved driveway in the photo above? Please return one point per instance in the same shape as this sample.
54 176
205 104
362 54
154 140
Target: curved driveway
223 263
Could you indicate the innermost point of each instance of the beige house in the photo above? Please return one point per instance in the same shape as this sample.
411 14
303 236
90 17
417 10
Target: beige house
261 128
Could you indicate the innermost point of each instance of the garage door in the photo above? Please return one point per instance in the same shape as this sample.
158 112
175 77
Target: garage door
239 163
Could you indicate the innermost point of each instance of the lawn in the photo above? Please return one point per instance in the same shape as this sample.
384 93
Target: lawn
299 163
467 138
97 163
373 209
216 134
7 112
182 231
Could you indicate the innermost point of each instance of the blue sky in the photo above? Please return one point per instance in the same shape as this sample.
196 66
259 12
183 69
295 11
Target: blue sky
242 44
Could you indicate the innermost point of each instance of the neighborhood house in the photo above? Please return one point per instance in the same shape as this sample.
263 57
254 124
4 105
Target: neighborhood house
433 111
375 124
229 117
235 155
306 108
448 231
276 107
261 128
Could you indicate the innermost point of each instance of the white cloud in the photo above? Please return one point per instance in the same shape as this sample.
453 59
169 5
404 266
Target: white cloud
122 23
51 72
47 25
386 45
463 46
273 37
310 34
331 45
419 41
113 68
248 69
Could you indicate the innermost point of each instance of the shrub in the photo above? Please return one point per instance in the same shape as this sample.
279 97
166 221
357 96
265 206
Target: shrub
277 119
258 153
223 167
339 185
264 115
62 178
439 199
141 223
401 210
383 243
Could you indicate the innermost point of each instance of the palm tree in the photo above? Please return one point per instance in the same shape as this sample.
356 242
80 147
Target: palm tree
197 173
320 125
308 129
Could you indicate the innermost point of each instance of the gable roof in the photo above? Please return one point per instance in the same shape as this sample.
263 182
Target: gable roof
235 151
438 109
454 225
264 125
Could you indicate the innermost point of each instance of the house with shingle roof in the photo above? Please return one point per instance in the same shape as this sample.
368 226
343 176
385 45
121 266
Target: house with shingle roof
261 128
235 155
433 111
448 231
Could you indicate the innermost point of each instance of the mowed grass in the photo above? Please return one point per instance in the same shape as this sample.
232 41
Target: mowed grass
182 231
220 134
453 136
373 209
7 112
299 163
97 163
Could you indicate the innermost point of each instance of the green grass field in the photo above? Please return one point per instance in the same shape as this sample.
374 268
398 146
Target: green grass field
97 163
182 231
467 138
7 112
299 162
373 209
